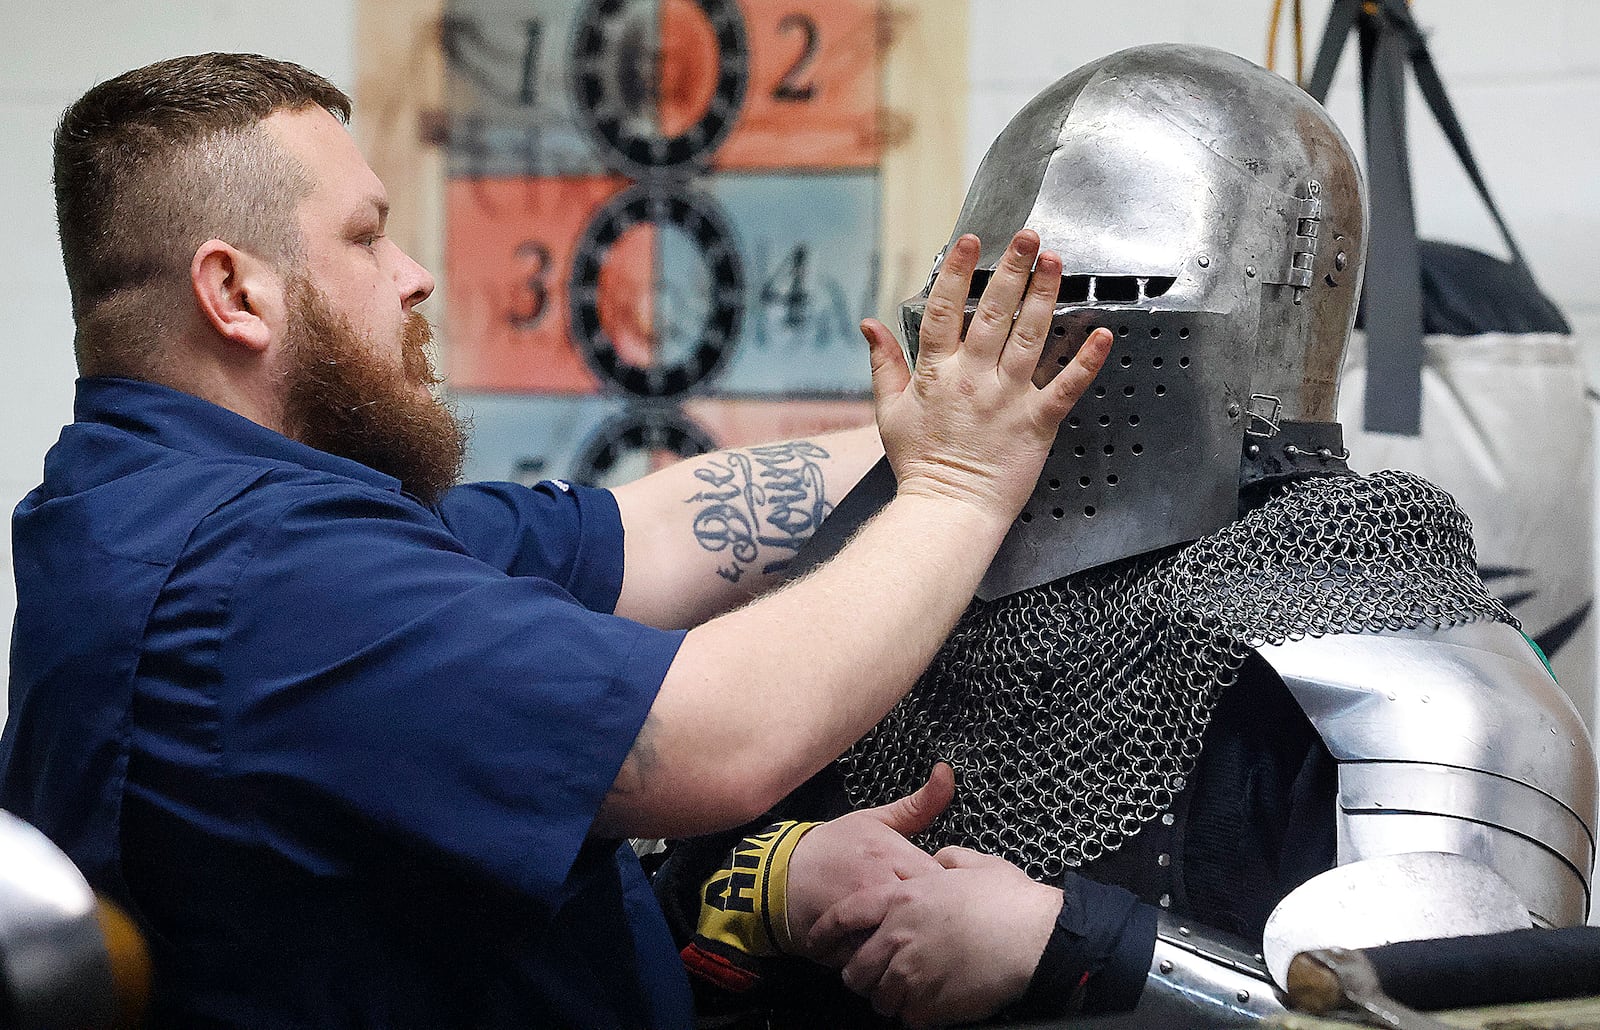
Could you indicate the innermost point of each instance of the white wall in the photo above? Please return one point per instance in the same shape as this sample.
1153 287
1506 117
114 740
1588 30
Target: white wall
1525 82
1526 86
56 51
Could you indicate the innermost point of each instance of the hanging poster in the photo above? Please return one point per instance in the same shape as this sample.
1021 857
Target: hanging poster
661 226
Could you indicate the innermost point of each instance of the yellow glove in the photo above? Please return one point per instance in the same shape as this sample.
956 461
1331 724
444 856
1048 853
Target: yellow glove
743 912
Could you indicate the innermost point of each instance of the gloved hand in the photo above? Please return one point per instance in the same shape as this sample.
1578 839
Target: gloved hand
744 909
752 907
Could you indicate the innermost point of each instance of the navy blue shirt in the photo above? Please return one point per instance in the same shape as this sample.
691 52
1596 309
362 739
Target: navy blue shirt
338 752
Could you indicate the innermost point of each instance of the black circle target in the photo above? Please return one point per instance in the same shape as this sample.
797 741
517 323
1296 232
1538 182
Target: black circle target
643 430
703 225
614 81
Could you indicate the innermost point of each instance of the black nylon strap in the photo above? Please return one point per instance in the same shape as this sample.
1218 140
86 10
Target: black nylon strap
1391 39
1393 296
1444 113
1341 19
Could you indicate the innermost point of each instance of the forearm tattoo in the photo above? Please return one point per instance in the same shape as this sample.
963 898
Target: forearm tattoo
759 505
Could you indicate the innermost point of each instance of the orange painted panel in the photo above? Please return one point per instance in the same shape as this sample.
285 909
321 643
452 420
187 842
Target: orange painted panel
508 257
627 294
688 72
813 94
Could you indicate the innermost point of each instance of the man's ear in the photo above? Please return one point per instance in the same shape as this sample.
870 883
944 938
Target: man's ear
238 294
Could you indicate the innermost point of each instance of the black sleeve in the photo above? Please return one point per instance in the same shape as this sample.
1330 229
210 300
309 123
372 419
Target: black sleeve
1097 957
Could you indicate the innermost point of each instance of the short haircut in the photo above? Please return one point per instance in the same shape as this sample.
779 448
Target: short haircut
151 164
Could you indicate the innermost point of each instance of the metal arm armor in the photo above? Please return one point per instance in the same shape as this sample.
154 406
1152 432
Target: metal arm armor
1455 740
1200 978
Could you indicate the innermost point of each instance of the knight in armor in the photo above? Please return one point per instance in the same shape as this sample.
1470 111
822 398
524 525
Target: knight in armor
1209 662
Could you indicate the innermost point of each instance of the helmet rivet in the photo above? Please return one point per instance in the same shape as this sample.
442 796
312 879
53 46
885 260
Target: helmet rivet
1250 270
1324 453
1205 262
1233 411
1253 451
1243 996
1291 451
1340 260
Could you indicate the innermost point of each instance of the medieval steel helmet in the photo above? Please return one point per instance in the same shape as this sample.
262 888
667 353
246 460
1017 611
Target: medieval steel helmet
1210 214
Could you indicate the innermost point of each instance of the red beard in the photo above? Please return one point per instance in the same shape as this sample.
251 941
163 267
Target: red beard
345 400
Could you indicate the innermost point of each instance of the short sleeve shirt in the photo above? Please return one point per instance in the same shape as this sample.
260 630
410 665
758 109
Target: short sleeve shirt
338 751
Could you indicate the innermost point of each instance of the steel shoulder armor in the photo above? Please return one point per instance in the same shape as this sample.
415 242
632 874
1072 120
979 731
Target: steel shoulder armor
1455 740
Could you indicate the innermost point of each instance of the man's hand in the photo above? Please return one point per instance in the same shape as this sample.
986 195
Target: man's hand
862 849
751 706
949 947
968 422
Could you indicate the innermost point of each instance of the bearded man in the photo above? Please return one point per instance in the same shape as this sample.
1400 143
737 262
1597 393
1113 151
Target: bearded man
357 747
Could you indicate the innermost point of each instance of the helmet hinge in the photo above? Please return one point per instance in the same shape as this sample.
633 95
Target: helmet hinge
1306 215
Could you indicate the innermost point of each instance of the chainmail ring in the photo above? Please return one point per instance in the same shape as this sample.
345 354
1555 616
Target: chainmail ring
1073 711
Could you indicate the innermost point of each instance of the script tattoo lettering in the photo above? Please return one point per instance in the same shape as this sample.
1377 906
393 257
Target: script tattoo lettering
759 498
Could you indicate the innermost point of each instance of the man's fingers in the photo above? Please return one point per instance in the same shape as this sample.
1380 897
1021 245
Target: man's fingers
840 950
1032 327
992 322
889 372
893 991
849 917
955 857
1063 391
940 331
916 811
864 970
910 861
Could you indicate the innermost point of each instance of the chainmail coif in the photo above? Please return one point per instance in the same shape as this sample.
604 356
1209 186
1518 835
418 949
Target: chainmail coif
1072 712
